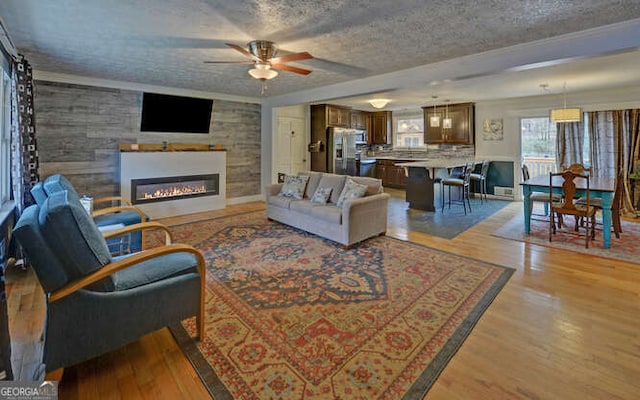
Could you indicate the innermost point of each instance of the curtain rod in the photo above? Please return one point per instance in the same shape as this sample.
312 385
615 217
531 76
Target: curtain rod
6 41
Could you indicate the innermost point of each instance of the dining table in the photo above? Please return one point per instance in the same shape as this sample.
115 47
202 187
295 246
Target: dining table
599 187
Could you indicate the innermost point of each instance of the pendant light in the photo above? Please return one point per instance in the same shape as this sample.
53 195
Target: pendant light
565 114
446 122
434 120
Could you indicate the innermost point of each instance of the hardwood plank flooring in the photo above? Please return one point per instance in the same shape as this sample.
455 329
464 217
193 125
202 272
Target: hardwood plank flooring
566 326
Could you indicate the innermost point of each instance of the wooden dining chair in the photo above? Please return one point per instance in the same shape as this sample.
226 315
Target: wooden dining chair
615 205
577 168
568 205
540 197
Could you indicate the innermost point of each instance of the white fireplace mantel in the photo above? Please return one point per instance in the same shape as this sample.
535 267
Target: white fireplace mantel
159 164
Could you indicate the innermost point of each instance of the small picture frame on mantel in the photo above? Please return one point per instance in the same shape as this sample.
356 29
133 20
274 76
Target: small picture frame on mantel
492 129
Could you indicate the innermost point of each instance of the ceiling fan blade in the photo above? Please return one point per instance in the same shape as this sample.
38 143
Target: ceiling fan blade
291 57
228 62
289 68
243 51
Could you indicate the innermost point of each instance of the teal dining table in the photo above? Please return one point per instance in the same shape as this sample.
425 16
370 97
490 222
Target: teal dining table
602 188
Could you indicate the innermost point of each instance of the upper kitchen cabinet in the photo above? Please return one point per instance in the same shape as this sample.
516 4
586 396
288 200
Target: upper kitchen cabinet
379 127
358 119
338 116
462 129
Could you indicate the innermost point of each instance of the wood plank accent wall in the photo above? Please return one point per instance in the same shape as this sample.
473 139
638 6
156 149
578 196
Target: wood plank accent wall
79 128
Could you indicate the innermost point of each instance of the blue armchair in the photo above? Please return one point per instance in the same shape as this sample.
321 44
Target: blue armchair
97 303
123 214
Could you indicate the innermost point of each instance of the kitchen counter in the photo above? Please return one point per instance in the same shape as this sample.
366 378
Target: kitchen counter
398 158
436 163
421 178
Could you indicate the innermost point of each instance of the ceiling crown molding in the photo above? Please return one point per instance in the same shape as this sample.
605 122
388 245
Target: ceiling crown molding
87 81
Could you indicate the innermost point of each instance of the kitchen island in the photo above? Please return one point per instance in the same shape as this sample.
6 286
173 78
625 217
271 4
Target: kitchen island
421 177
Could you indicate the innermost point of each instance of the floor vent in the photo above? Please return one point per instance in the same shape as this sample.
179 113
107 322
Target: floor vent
503 191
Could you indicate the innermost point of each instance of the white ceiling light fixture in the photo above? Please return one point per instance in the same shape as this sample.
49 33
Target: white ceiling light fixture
263 72
434 120
565 114
379 103
447 122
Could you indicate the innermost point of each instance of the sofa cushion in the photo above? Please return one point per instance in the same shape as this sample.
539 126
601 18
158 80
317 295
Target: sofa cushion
280 201
352 190
312 185
294 186
335 182
303 206
321 196
374 185
329 213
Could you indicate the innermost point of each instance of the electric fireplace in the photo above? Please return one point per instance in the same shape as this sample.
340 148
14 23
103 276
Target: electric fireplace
170 183
151 190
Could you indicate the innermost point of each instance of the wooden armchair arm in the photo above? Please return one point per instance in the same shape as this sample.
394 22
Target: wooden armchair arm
110 210
112 198
143 226
125 263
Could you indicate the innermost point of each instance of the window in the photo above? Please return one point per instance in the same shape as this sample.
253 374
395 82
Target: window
5 136
408 129
538 141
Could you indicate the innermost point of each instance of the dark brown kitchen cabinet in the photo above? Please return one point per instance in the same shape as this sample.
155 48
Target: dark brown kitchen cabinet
380 127
462 129
338 117
358 120
391 174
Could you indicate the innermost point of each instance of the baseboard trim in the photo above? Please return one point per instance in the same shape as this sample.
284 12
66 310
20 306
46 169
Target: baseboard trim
244 199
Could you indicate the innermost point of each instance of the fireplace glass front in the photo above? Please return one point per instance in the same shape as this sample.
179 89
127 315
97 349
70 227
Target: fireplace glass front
150 190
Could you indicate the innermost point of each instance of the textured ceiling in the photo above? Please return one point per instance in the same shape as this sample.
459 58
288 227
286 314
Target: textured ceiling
165 42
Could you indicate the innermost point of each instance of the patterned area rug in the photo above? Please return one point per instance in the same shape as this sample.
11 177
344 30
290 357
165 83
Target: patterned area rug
624 248
292 316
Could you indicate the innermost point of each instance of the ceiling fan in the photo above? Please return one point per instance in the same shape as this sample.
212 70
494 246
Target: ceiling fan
262 54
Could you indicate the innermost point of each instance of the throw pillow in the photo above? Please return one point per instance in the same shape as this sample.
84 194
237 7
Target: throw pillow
352 190
294 186
336 182
321 196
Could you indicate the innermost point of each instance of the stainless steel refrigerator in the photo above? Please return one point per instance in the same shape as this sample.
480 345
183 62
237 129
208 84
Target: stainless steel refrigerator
343 150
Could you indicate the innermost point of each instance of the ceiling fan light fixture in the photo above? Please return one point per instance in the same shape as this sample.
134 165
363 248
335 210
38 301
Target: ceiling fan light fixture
263 72
379 103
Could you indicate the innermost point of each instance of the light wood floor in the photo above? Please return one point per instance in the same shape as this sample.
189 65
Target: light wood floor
566 326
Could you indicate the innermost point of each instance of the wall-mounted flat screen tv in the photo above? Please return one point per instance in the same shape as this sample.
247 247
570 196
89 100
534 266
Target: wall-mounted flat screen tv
165 113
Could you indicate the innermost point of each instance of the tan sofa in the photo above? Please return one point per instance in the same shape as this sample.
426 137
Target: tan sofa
357 219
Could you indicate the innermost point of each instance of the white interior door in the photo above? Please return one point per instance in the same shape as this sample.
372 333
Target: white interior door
291 149
299 154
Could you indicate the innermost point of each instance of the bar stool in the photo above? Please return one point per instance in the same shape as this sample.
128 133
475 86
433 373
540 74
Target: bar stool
462 184
481 178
